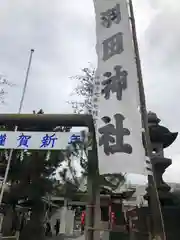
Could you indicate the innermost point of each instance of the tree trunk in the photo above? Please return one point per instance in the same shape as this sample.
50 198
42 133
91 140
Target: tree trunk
34 228
7 222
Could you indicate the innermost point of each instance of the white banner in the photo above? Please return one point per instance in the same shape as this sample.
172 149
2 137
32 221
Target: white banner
118 121
37 140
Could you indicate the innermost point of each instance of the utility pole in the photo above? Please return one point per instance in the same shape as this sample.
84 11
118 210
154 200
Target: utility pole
155 206
15 129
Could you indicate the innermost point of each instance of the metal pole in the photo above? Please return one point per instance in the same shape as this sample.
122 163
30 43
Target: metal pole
155 205
26 81
15 129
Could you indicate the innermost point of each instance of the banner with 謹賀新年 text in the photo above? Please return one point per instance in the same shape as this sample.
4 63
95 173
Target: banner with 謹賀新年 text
116 93
38 140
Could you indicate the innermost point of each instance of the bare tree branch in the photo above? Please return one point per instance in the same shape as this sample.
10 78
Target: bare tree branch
84 89
3 83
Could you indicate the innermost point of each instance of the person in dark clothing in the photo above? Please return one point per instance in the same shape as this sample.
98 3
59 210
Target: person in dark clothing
22 222
57 226
48 229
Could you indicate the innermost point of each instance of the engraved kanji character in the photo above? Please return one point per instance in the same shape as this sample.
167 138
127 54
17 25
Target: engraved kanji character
110 16
116 83
112 137
113 46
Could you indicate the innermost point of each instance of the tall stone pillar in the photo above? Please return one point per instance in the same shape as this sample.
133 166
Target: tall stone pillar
160 138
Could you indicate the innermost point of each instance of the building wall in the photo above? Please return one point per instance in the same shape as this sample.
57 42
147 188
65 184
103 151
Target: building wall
53 219
138 197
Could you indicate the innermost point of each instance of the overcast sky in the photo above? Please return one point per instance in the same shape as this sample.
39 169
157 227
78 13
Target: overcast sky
62 32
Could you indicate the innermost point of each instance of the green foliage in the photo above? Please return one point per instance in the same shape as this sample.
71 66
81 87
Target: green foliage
31 177
31 174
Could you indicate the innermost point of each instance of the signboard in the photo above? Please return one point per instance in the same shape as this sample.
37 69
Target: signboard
116 95
37 140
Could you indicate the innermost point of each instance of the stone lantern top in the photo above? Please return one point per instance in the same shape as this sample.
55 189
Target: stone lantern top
152 118
158 133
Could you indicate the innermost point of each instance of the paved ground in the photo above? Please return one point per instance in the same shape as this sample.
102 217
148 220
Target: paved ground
80 238
54 238
66 238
